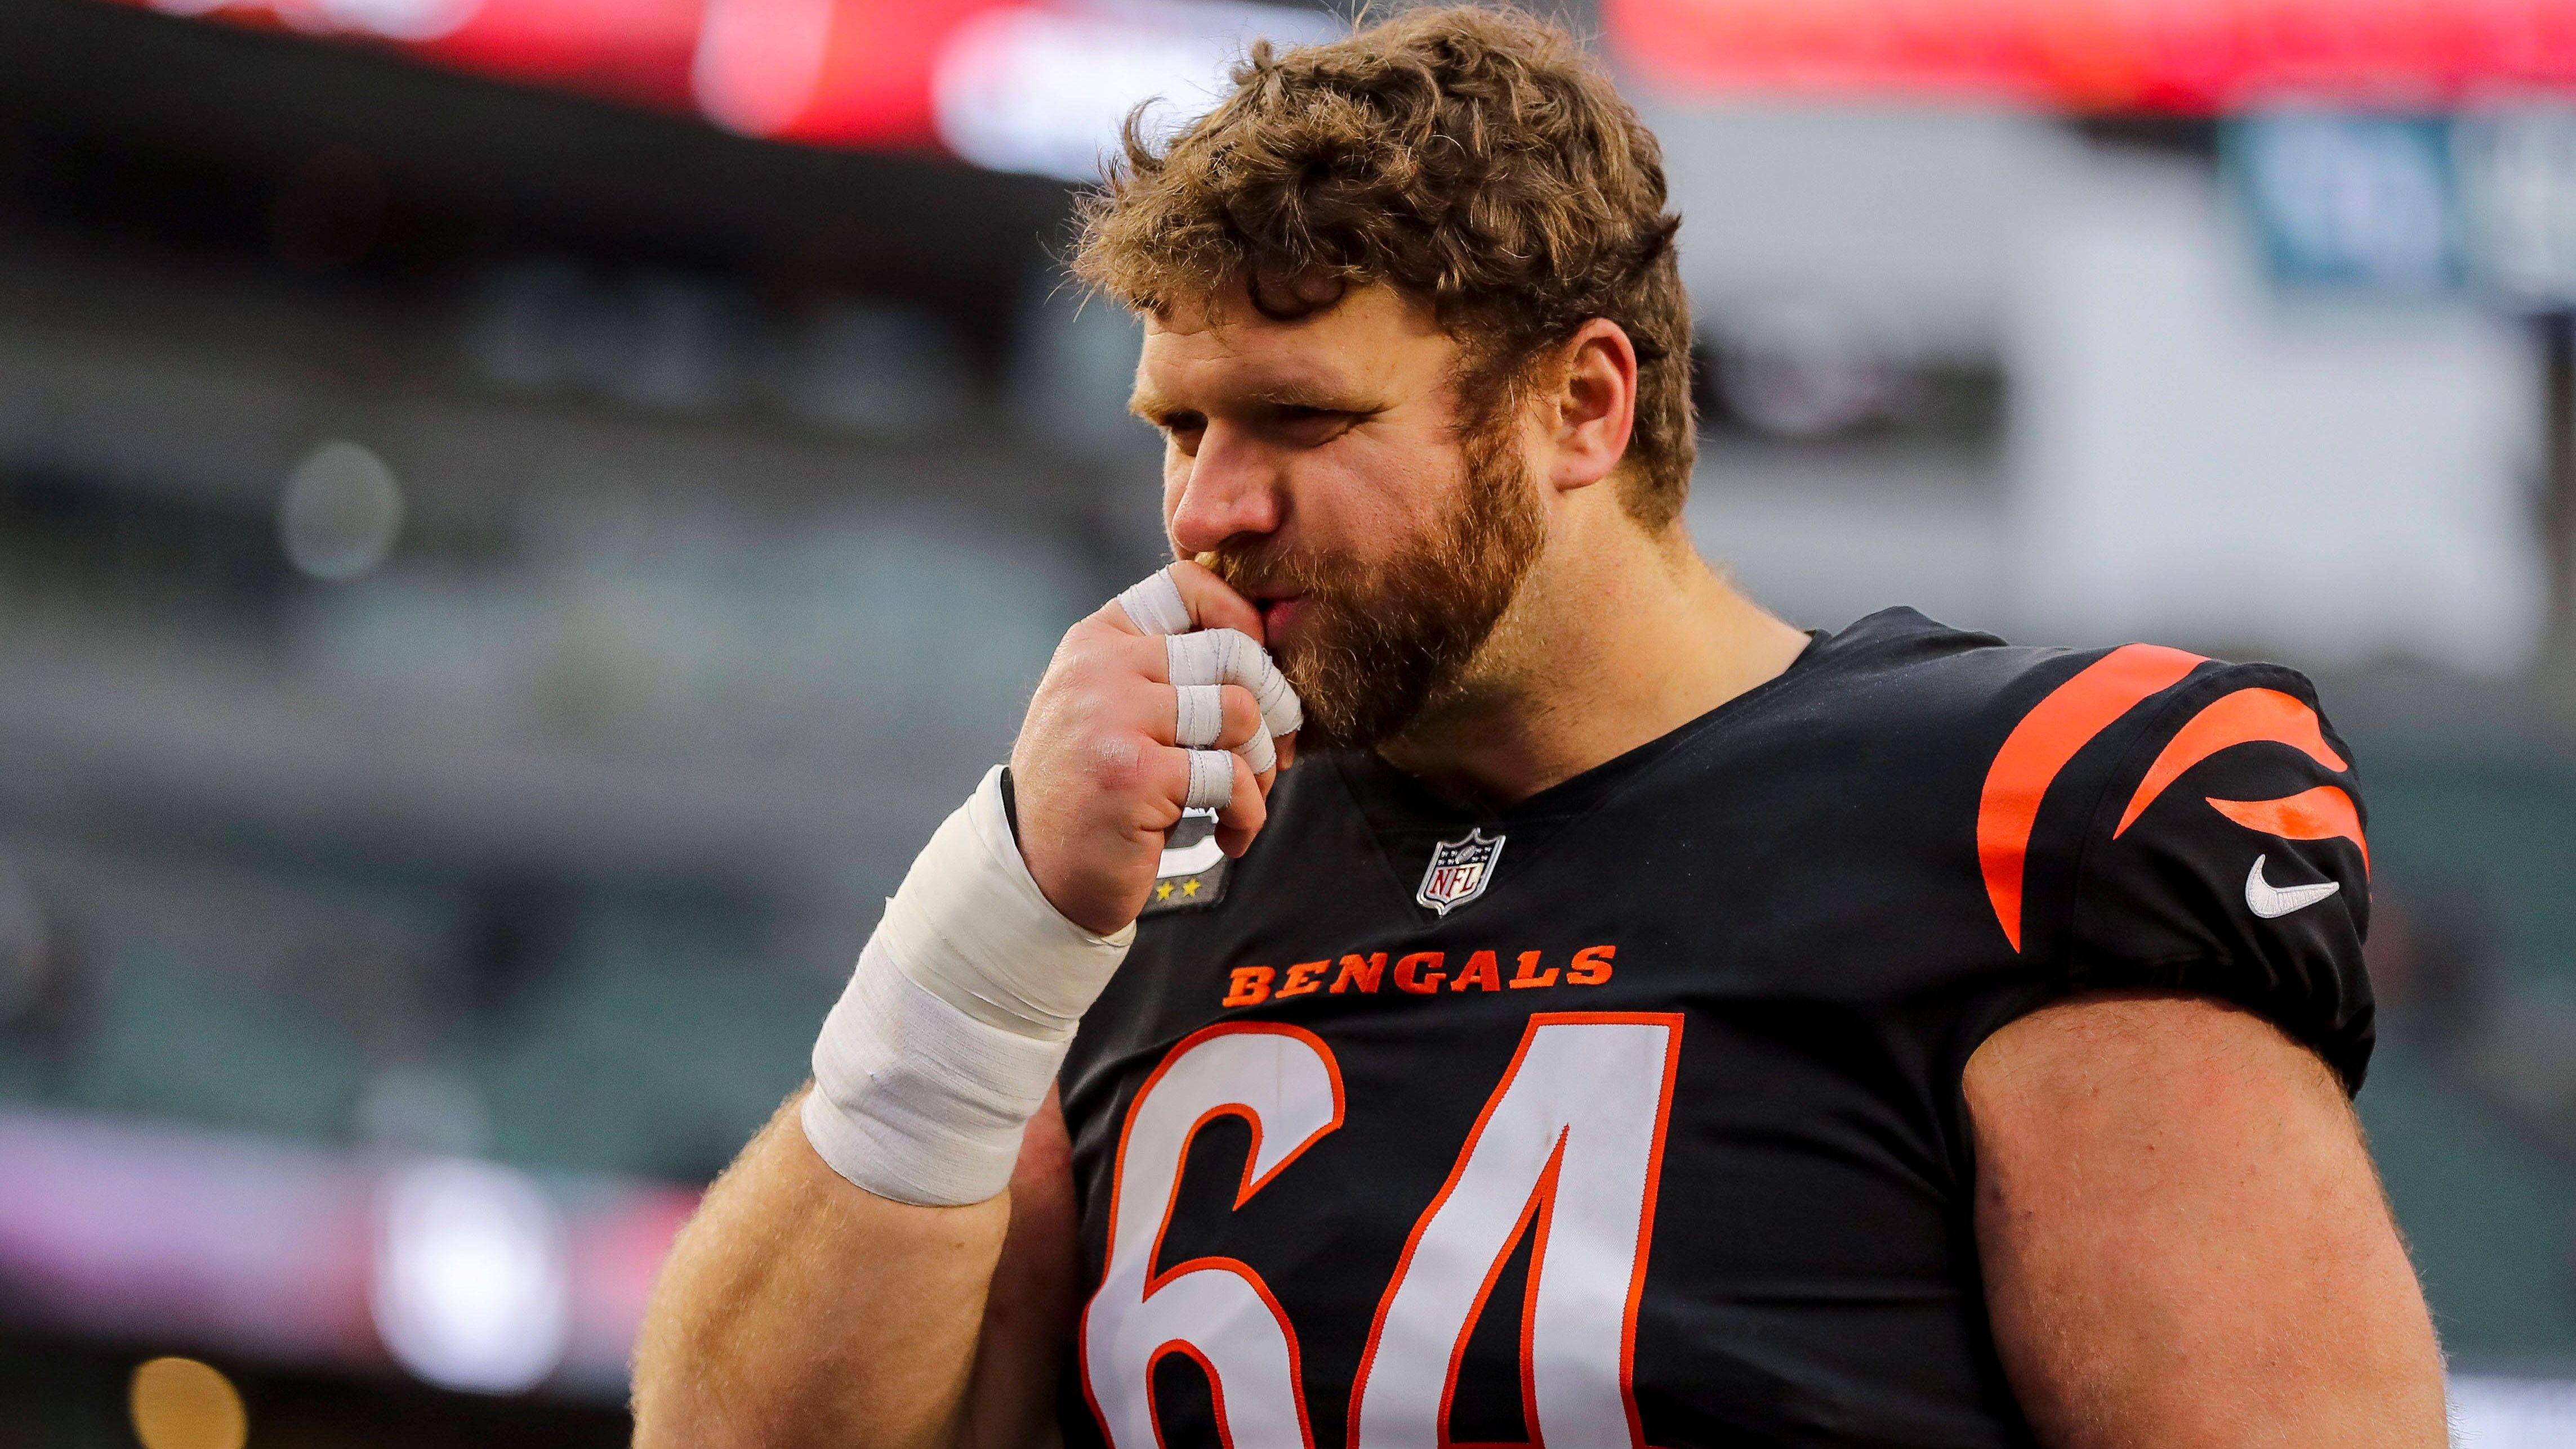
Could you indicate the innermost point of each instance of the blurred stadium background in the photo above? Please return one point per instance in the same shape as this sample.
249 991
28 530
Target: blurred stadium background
485 484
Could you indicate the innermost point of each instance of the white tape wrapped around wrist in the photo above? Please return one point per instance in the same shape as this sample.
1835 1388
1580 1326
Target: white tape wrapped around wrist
915 1100
955 1021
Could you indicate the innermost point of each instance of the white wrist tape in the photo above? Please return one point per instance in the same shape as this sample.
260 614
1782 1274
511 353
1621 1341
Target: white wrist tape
915 1100
952 1027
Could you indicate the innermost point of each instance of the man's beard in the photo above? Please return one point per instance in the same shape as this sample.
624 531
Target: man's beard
1383 645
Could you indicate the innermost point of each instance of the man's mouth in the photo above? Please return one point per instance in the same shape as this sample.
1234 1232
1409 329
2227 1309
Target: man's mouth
1277 612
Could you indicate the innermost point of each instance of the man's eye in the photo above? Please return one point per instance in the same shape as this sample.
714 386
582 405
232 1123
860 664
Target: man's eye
1313 425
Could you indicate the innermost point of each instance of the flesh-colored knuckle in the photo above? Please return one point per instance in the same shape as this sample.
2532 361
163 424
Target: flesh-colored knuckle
1117 761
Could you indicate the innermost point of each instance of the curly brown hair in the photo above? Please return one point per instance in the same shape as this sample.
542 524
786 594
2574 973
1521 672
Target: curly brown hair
1473 157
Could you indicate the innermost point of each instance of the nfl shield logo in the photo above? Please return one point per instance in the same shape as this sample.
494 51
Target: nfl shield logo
1459 871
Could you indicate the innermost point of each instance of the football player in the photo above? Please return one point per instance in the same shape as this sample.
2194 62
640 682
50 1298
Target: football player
1441 967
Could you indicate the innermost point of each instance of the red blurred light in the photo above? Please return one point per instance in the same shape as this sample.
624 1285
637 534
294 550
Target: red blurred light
625 50
847 72
870 81
2191 56
859 72
634 50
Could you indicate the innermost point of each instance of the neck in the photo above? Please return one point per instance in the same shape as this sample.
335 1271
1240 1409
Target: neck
1615 639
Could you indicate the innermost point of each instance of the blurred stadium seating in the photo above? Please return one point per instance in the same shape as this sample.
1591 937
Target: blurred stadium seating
475 643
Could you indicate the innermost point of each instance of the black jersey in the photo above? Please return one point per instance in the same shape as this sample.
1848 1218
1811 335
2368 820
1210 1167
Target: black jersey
1630 1115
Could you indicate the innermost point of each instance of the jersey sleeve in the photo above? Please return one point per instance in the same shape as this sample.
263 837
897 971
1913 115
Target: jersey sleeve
2228 856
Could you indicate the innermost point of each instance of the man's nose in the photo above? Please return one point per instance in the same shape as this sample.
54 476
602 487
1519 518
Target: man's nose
1233 487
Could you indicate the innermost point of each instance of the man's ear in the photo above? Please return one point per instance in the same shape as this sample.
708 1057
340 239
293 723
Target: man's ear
1593 407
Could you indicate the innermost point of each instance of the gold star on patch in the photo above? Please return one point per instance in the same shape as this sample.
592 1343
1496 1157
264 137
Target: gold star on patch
1163 891
1189 887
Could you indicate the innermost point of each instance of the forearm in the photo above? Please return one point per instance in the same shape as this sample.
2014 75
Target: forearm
835 1286
797 1309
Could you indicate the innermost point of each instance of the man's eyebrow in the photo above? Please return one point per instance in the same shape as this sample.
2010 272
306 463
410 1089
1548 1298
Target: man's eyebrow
1320 396
1152 406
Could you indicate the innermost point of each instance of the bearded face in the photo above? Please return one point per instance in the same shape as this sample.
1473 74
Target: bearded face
1386 641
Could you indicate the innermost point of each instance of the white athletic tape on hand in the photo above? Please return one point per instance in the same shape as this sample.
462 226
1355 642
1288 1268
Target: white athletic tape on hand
956 1019
1201 720
1211 779
1228 656
1155 606
1201 716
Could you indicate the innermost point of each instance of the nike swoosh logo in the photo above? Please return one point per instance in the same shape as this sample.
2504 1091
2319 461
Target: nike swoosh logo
2270 901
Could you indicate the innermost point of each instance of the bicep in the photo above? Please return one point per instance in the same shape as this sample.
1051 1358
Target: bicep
2183 1239
1030 1309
